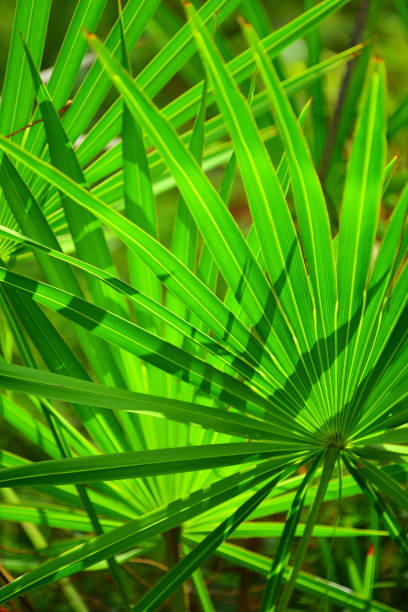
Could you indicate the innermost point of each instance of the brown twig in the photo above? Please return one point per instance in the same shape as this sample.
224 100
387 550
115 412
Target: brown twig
179 601
137 577
61 111
144 561
7 577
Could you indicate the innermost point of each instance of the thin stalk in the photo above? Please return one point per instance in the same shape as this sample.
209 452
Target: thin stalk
179 600
282 554
330 459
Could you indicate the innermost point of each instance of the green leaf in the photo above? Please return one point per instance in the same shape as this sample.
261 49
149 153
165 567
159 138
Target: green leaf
59 358
383 510
147 346
136 464
67 65
158 72
125 537
152 308
184 568
53 516
314 230
30 21
306 583
227 245
110 161
309 199
385 483
178 278
138 195
267 529
359 217
64 388
382 278
95 86
270 213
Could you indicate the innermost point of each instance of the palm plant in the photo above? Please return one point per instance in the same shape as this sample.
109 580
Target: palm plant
162 403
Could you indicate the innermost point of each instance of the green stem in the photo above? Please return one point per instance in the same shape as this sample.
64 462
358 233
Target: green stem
330 460
282 554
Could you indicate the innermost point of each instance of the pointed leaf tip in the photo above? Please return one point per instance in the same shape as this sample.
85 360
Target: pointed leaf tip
243 22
